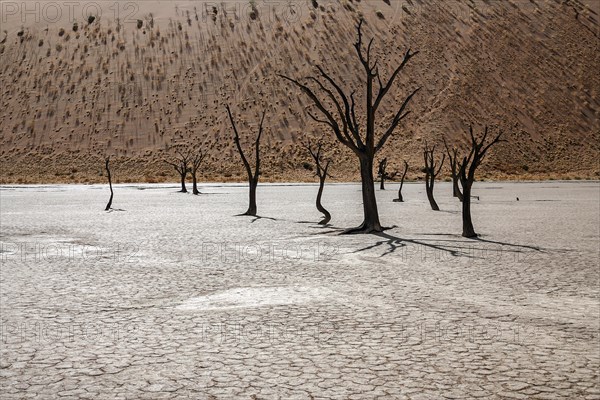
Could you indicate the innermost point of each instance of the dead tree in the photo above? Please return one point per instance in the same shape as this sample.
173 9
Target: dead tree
322 174
467 168
337 111
382 174
181 166
431 172
453 159
252 177
196 161
106 162
400 199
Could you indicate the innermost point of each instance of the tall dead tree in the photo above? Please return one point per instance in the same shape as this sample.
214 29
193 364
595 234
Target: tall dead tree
382 174
181 166
322 174
252 177
467 168
340 116
400 199
196 161
107 167
432 169
453 159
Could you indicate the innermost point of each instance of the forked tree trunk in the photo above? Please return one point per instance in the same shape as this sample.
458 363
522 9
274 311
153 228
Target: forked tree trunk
327 216
252 176
467 169
109 204
344 123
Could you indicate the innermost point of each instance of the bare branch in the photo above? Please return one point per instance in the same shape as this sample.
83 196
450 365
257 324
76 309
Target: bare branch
397 118
383 89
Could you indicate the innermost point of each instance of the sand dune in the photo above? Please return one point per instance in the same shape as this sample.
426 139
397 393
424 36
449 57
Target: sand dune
138 79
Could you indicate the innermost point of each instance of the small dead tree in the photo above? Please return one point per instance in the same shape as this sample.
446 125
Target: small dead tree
107 167
181 166
322 174
196 161
337 111
252 177
431 172
400 199
453 159
382 174
467 168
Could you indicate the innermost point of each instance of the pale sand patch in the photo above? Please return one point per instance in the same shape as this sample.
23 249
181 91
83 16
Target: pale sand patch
251 297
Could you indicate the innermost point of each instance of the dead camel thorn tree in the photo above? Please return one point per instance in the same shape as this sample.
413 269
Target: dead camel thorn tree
107 167
400 199
453 159
196 161
382 174
322 173
181 166
252 177
467 168
431 170
341 118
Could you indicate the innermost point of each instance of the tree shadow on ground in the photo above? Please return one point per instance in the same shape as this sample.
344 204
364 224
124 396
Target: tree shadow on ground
394 243
461 239
255 217
460 247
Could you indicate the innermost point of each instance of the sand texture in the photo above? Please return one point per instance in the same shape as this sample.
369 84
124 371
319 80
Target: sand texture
144 76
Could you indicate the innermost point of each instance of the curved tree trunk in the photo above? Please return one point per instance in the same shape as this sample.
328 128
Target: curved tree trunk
253 183
429 182
468 230
327 216
371 215
400 199
109 204
455 188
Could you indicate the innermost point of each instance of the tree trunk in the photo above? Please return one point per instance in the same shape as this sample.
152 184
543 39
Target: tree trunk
400 199
183 188
468 230
253 183
194 184
109 204
371 215
327 216
455 188
429 182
